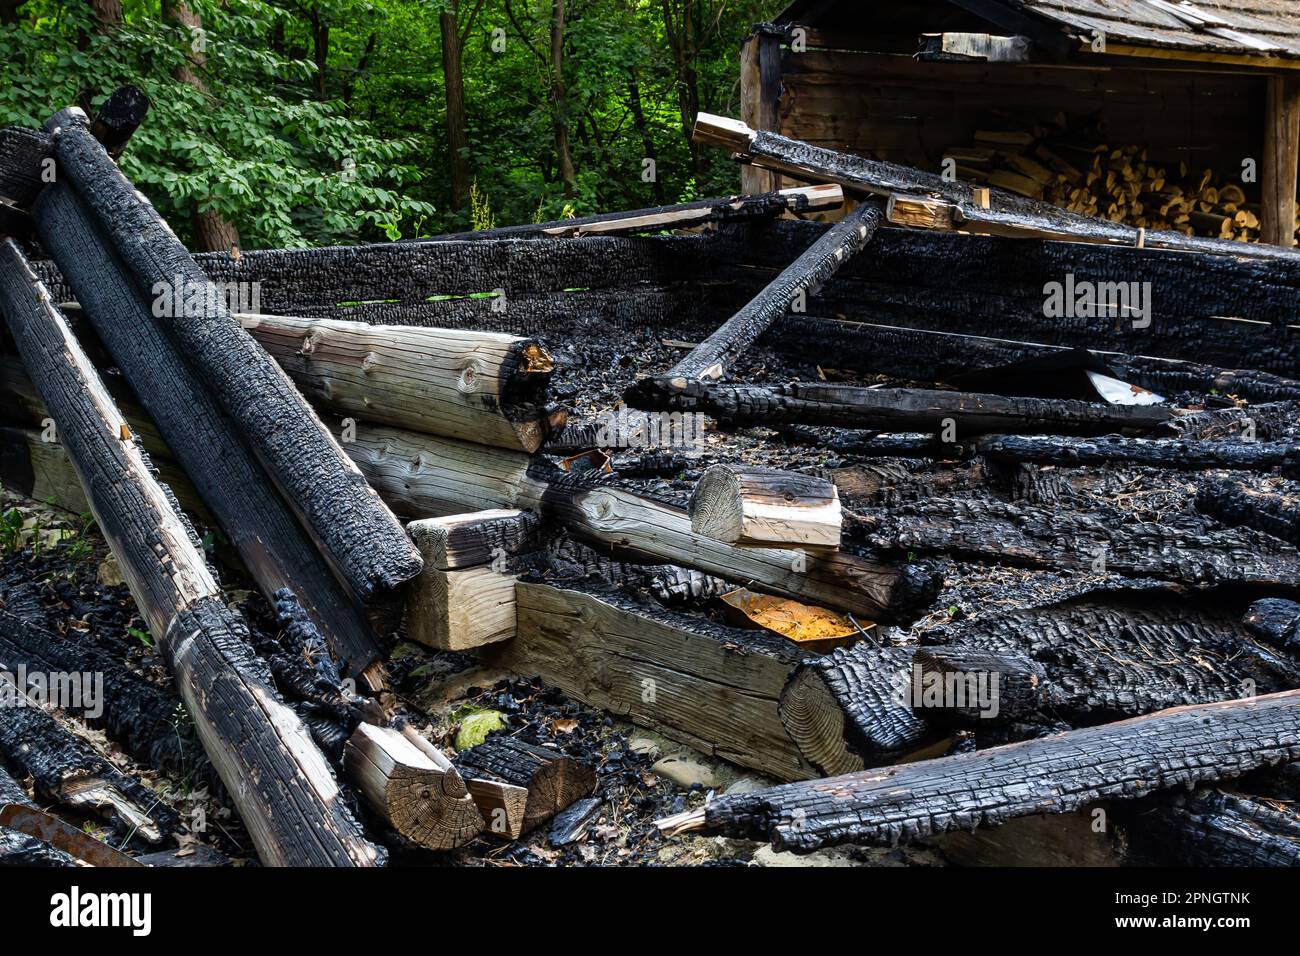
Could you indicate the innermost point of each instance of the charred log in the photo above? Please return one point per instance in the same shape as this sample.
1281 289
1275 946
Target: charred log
895 409
206 442
1237 502
257 744
1134 758
788 292
553 781
1183 548
1150 453
360 537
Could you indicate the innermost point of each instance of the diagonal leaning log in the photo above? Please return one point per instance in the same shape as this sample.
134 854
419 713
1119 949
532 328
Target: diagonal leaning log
216 454
359 536
278 779
788 291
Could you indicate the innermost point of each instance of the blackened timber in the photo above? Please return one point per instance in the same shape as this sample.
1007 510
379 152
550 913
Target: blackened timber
1057 774
1152 453
1273 510
895 409
203 438
943 356
1118 655
788 292
480 537
20 849
554 781
67 769
137 713
1005 214
259 747
1275 621
359 536
849 709
1216 827
974 686
24 156
119 117
796 200
1191 550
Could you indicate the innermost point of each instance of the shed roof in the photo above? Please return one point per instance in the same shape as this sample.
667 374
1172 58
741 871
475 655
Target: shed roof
1256 29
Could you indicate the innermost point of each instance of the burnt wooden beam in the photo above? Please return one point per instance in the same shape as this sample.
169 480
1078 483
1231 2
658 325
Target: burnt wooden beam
1215 827
1107 657
973 687
422 796
944 356
258 745
893 409
1005 213
204 440
796 200
1192 551
479 386
359 536
1058 774
553 781
24 155
1275 621
766 507
67 770
468 540
708 685
788 292
849 709
21 849
1170 453
1274 511
135 712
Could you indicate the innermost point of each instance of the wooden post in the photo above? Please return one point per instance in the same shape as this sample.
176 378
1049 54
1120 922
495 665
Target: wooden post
1281 152
760 91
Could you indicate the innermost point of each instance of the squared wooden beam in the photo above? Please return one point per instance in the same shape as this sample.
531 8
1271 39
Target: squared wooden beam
1281 155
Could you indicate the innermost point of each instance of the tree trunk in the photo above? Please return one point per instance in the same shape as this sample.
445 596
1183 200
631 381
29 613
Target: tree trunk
320 48
643 130
212 231
560 103
457 123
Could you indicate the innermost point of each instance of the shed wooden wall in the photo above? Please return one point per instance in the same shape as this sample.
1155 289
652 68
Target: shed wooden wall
892 107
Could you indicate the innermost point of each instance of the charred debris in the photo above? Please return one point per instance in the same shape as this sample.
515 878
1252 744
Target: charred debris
961 519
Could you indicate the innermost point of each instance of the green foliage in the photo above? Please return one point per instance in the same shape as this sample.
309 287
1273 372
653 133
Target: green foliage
11 531
299 149
480 209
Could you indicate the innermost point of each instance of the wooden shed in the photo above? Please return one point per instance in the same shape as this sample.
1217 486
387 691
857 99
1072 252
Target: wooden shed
1195 84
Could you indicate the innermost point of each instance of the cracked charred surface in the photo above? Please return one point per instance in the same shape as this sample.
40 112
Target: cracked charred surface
1142 755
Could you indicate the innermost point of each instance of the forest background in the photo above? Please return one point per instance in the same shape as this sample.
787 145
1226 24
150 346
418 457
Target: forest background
319 122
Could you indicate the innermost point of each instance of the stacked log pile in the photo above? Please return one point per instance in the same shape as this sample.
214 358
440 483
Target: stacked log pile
1119 183
385 468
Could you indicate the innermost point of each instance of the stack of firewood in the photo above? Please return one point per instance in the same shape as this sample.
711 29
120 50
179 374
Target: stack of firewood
1118 183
